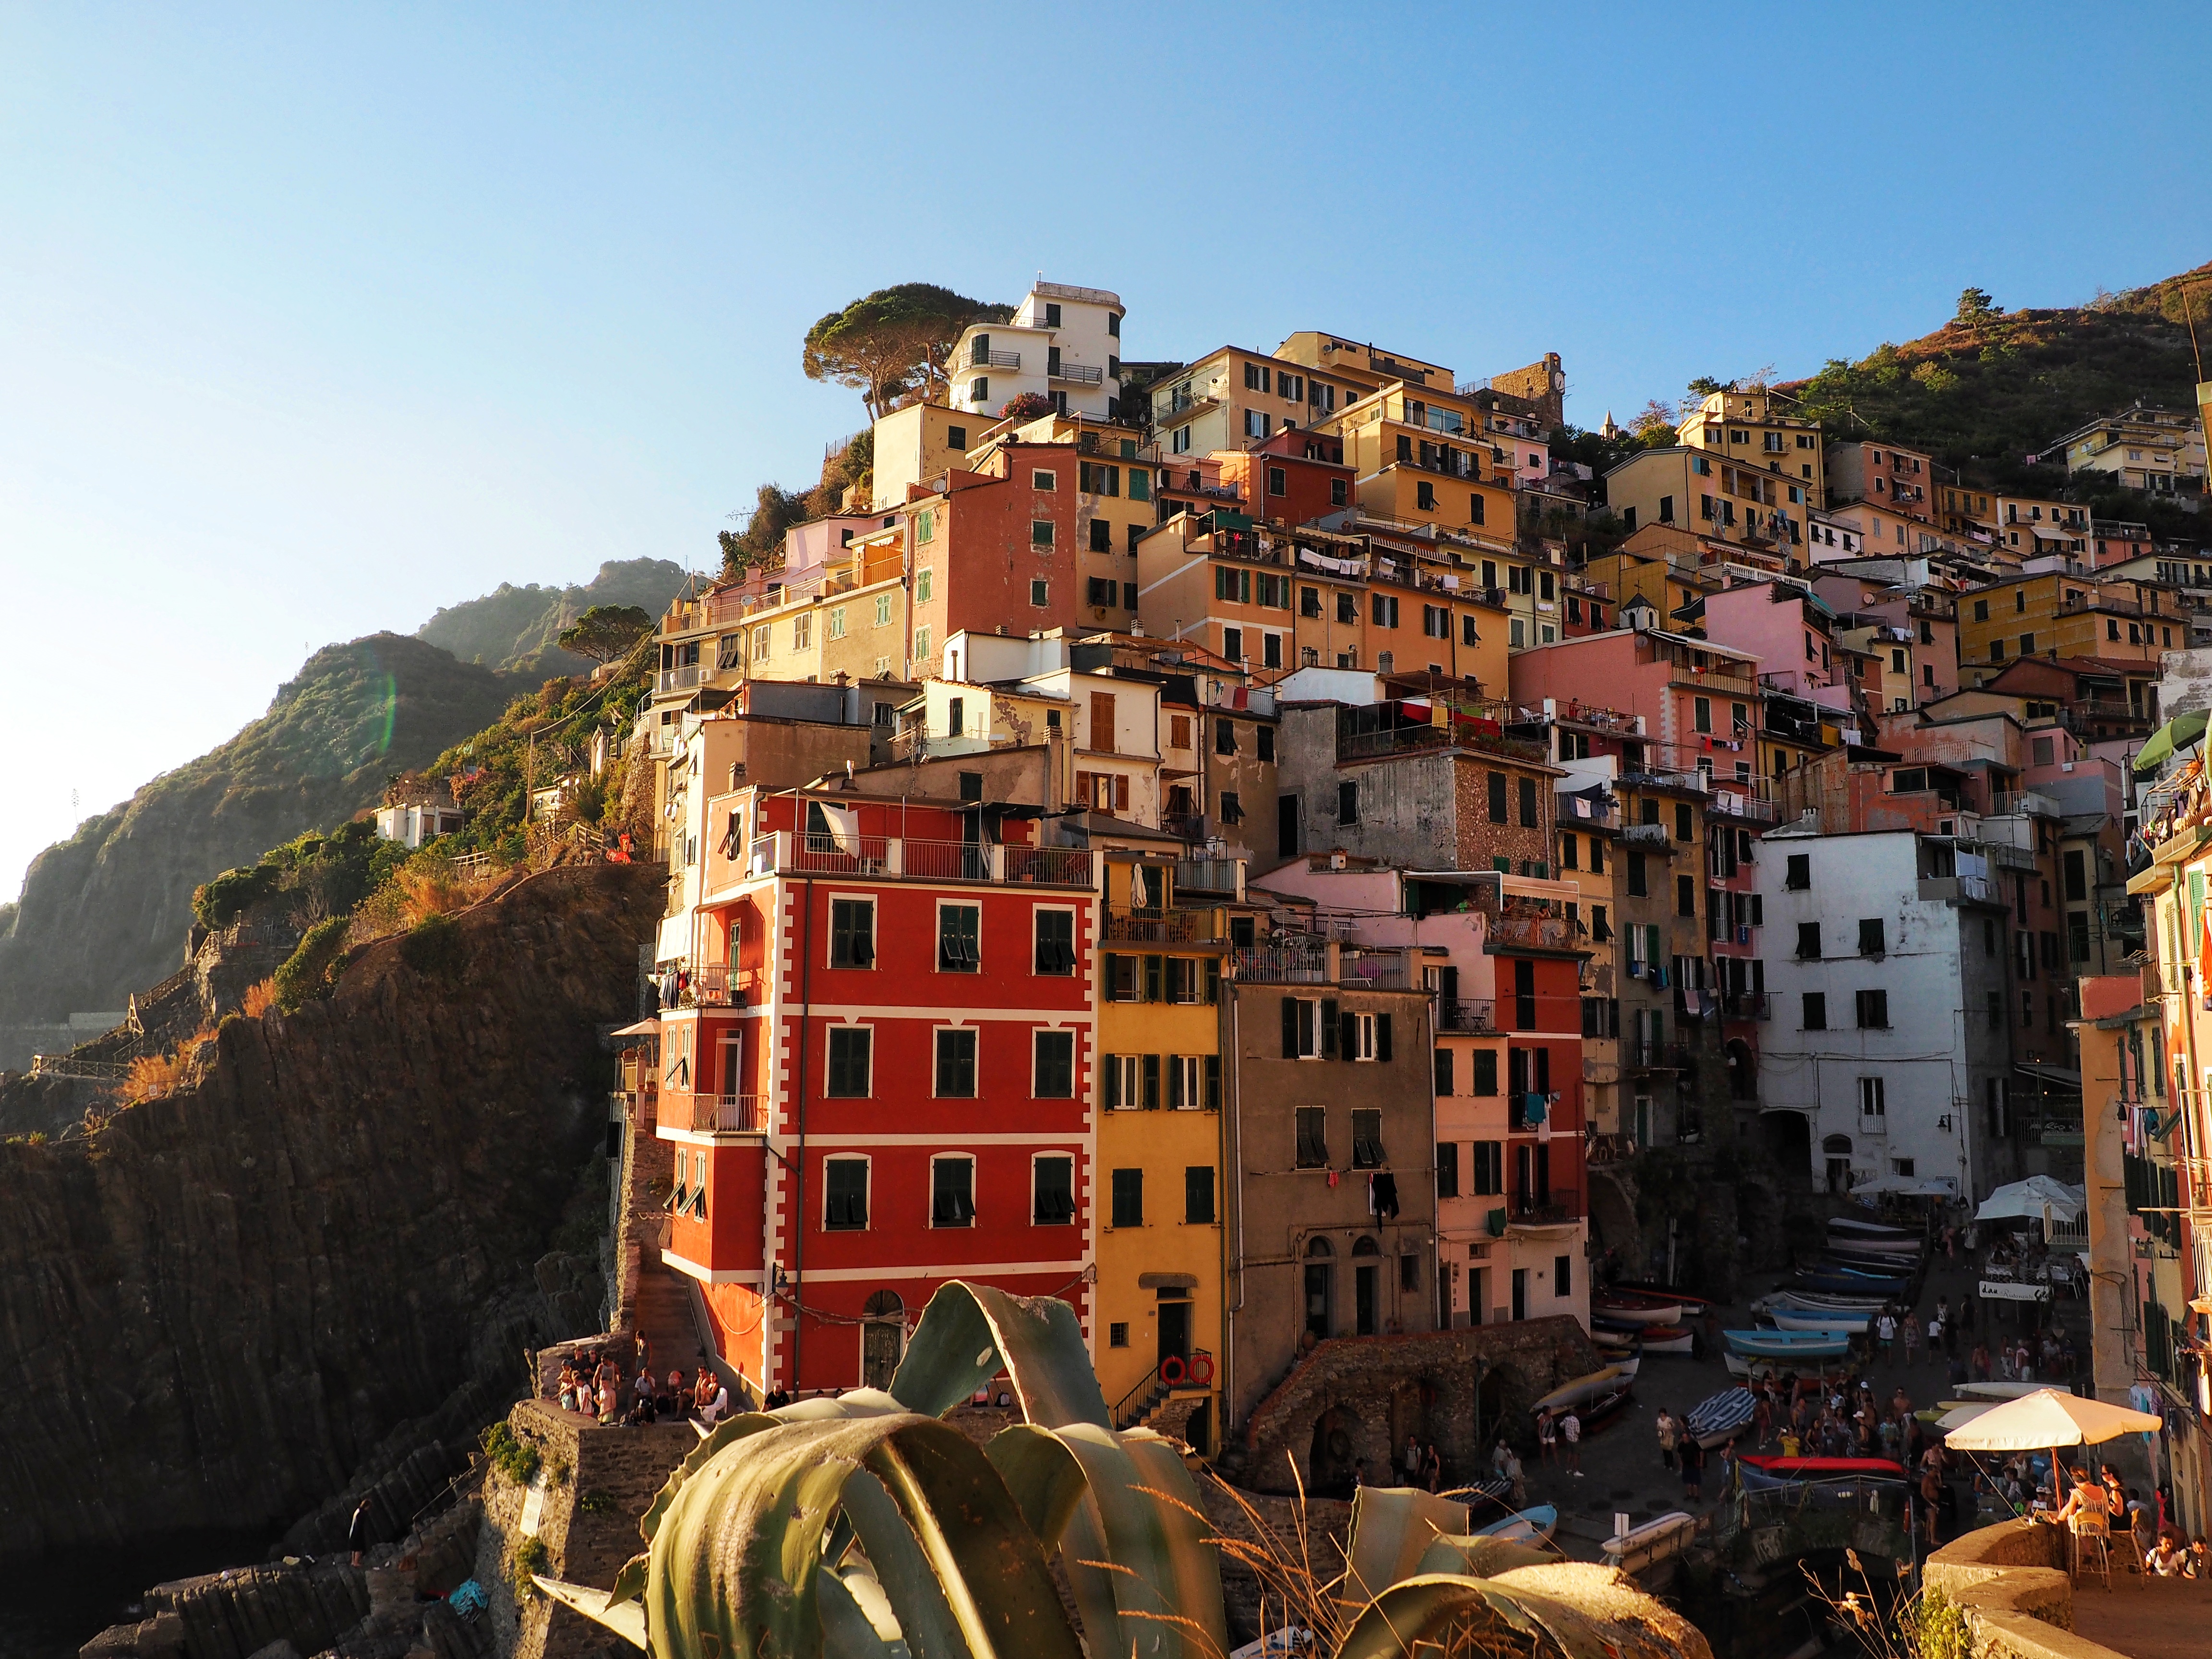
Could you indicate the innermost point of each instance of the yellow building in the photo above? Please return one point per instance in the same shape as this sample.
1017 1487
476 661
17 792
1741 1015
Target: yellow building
919 443
1749 428
2029 525
2055 614
1715 493
1421 456
1157 1194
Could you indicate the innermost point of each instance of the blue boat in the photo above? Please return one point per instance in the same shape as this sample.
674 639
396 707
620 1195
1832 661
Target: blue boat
1533 1525
1723 1417
1787 1345
1842 1281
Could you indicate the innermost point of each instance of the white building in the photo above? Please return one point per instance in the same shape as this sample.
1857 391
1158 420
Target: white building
413 825
1891 1025
1064 342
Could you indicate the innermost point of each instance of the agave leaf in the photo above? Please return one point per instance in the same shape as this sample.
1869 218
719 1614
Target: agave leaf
1478 1556
626 1620
969 1332
1192 1553
854 1402
1392 1527
1164 1568
867 1593
629 1582
1426 1608
737 1561
1044 1476
847 1632
910 1591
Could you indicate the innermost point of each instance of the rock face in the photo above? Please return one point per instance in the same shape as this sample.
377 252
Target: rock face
516 627
106 911
225 1302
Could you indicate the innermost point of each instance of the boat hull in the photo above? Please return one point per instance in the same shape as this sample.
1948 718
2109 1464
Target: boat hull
1533 1525
1786 1345
1635 1310
1851 1324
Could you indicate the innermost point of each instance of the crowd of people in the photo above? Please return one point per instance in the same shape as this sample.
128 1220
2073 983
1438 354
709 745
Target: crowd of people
2047 1356
592 1382
2100 1505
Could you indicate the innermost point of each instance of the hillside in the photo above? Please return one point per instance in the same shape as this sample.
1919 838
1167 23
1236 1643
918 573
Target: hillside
514 628
106 912
1991 387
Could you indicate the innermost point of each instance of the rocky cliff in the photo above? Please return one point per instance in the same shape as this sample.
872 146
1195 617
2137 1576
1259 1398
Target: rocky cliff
516 628
106 912
216 1309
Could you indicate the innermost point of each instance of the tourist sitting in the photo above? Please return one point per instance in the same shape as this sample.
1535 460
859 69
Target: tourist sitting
2167 1558
641 1412
715 1406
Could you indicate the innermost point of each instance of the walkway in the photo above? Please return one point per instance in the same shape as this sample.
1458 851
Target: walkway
2157 1619
664 1323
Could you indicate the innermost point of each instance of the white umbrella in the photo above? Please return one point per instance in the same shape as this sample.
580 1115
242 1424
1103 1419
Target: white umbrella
2048 1418
2032 1199
1960 1417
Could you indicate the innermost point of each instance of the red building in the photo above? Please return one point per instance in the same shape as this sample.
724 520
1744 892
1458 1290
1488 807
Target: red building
1295 477
878 1077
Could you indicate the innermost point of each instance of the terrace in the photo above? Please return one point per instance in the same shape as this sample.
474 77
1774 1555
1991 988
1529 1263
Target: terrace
899 857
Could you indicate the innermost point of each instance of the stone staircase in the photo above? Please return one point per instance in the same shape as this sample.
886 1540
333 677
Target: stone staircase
665 1321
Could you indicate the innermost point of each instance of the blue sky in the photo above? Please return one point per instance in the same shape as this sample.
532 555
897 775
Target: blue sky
315 318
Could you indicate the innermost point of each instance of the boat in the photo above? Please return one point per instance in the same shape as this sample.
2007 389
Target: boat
1654 1540
1788 1319
1636 1309
1841 1282
1602 1409
1722 1417
1885 1249
1852 1226
1824 1302
1787 1345
1869 1276
1812 1376
1669 1339
1533 1525
1662 1293
1584 1389
1824 1469
2001 1390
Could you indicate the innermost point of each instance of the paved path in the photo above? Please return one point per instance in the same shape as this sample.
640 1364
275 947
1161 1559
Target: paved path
2158 1619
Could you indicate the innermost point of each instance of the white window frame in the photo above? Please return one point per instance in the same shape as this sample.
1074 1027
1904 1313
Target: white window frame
1044 478
925 584
975 1209
1191 1070
883 611
868 1184
936 1032
802 631
1874 1104
1075 1208
1363 1036
836 627
943 905
1308 1028
1129 1076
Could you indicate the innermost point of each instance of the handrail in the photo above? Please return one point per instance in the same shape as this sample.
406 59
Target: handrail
1152 1384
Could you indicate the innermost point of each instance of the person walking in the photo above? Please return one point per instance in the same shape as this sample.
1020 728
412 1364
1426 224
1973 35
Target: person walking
1885 1334
1693 1471
1910 1332
1571 1438
1762 1421
1411 1460
1668 1431
359 1530
1547 1438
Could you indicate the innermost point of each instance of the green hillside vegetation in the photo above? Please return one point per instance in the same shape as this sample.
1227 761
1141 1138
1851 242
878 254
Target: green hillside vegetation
518 629
106 912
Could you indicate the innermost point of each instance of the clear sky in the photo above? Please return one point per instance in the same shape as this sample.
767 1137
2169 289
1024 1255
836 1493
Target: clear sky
313 318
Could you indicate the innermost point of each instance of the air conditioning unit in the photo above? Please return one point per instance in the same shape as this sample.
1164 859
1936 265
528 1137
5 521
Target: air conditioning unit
1336 860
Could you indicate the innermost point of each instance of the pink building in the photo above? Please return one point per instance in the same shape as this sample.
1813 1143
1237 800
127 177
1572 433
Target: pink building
1698 701
1783 628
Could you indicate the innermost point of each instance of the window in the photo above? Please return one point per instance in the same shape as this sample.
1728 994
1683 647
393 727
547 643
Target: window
1041 479
1040 533
1347 803
1367 1137
1474 508
1562 1275
1684 822
1056 1067
802 631
1638 883
1121 1086
1101 591
1425 496
845 1195
1052 1191
1263 738
1224 737
1185 979
959 929
1198 1195
1347 607
1446 1169
1339 492
1570 852
1874 1011
836 628
1808 941
1496 782
1870 937
1279 481
952 1191
1128 1199
1102 536
1055 941
1685 896
1383 607
850 1047
1313 1137
1529 818
1701 714
1799 876
1486 1171
1444 1070
884 620
955 1063
1873 1100
852 933
1815 1016
1117 1331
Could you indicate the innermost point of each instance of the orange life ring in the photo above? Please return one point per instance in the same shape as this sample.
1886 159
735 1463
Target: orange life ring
1201 1369
1171 1369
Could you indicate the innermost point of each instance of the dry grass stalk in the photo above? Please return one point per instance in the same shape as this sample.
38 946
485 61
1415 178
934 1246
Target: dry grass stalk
259 999
152 1076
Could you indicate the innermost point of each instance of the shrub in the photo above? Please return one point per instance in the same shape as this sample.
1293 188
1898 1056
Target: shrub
259 999
531 1556
311 971
219 902
433 948
596 1502
517 1460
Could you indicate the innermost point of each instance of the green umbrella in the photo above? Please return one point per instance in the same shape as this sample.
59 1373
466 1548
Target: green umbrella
2177 733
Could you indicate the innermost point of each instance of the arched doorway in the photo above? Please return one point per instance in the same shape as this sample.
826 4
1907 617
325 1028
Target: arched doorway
1366 1288
1321 1270
1836 1150
882 1339
1742 1071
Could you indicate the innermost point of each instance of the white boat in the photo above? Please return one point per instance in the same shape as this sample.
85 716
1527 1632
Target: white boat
1858 1228
1583 1390
1822 1302
1901 1250
1654 1540
1738 1365
1788 1320
2001 1390
1635 1309
1669 1338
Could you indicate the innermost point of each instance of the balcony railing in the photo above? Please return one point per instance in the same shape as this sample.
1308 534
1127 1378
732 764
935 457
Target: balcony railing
1478 1016
782 853
1079 373
729 1114
683 679
1539 1209
718 985
994 359
2041 806
1280 964
1176 927
1745 1004
1535 931
1645 835
1205 875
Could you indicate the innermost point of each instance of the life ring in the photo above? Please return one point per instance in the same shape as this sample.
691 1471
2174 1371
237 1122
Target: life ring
1201 1371
1171 1369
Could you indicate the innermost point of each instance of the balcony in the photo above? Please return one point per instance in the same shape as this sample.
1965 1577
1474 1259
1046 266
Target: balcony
1533 932
783 853
1281 965
1732 804
718 985
1745 1004
994 359
1207 876
1478 1018
1149 927
1560 1204
1077 374
1645 835
683 679
2034 806
730 1114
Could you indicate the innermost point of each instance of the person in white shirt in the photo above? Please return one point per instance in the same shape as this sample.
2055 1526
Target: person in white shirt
713 1410
1885 1330
1570 1442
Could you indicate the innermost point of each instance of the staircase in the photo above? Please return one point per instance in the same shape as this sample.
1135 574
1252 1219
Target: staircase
664 1322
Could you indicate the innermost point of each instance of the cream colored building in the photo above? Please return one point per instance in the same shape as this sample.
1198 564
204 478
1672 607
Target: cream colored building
2159 450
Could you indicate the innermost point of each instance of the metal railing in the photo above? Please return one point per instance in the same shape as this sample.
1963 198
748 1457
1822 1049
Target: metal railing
1539 1208
1745 1004
782 852
995 359
1079 373
1280 964
1176 927
718 985
1478 1015
1152 1387
729 1114
1206 875
1645 835
1545 933
683 679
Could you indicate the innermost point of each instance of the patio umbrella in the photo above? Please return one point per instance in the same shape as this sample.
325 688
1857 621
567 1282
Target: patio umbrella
2176 735
2045 1421
2030 1200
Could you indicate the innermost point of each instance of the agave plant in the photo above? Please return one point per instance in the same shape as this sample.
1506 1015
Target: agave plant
866 1528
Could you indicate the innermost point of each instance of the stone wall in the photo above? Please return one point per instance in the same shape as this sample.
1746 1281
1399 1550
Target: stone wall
1373 1391
2010 1581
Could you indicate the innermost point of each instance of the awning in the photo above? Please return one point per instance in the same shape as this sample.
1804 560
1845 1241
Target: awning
647 1027
2176 734
2032 1199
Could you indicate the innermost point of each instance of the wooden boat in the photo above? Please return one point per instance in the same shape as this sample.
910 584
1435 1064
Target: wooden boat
1838 1281
1662 1293
1635 1309
1788 1319
1851 1226
1813 1375
1616 1343
1654 1540
1585 1390
1720 1418
1787 1345
1825 1468
1669 1339
1824 1302
1533 1525
1602 1410
1881 1250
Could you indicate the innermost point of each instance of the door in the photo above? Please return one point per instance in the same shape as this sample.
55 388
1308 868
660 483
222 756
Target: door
1317 1319
1520 1293
1174 1331
1287 826
1478 1295
1363 1289
880 1343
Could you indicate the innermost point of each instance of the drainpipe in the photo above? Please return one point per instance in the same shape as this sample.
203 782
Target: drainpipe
1232 1237
798 1200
